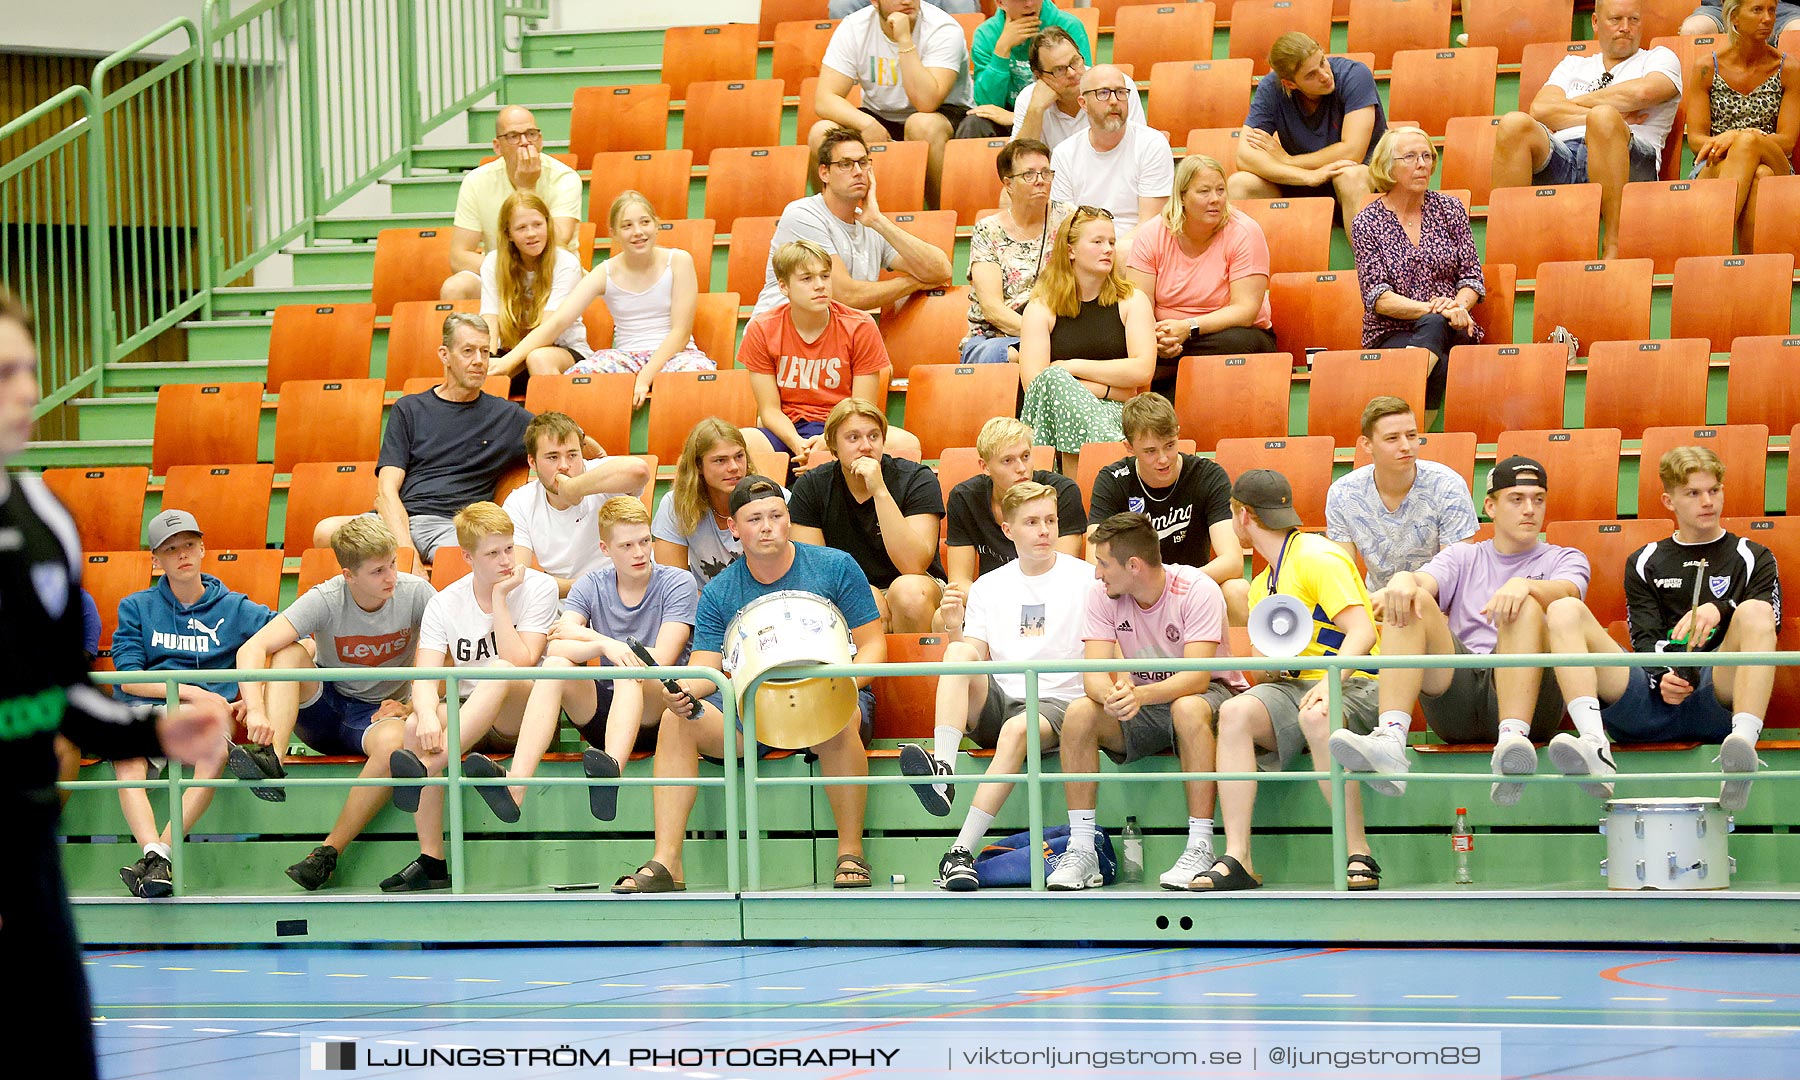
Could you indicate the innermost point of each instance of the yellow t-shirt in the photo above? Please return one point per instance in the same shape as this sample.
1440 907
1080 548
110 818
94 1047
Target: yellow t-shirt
486 188
1322 576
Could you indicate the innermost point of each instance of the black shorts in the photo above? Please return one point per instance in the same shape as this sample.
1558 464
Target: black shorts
896 129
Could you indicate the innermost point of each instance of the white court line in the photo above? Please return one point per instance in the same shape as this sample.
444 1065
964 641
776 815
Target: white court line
479 980
345 975
175 969
151 1027
412 978
230 971
1749 1001
534 982
217 1031
894 1021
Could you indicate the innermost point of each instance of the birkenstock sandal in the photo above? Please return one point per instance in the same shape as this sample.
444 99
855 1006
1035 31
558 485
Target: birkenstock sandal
652 877
1234 878
1363 867
852 873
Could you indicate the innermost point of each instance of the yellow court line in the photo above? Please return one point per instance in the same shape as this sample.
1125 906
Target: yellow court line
345 975
1749 1001
412 978
537 982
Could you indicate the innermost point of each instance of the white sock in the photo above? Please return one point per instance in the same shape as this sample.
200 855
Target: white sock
1516 727
1200 831
158 849
1395 725
1081 830
1747 724
1585 712
944 743
975 826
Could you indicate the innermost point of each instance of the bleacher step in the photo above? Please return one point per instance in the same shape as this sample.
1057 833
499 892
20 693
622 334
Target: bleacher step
565 48
331 264
149 376
265 298
73 453
366 226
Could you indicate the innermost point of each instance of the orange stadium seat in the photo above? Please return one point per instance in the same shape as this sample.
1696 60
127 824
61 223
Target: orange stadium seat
449 564
322 489
109 577
776 12
1744 448
1632 385
1512 26
1607 544
201 422
1540 58
255 572
1218 143
1429 86
753 181
1453 449
661 175
1583 464
1723 298
1343 381
599 403
1384 27
715 326
607 119
1467 156
1663 17
1255 385
1198 93
684 398
694 236
1706 210
1492 389
910 701
927 328
970 182
1316 311
1776 207
950 402
900 167
959 463
319 341
747 257
1145 35
1532 225
320 564
1298 231
1494 313
807 112
415 332
935 227
692 54
720 114
319 420
410 264
800 51
107 504
1305 461
1781 535
1595 301
231 502
1255 24
1760 387
1098 455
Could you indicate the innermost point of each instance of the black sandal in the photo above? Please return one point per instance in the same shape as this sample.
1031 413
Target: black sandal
499 799
403 764
652 877
1367 869
603 799
1234 878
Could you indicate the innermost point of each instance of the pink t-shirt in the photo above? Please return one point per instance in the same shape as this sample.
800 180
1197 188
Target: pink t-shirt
1187 286
1191 608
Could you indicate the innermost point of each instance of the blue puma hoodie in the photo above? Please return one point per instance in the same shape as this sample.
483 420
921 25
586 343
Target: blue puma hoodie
156 633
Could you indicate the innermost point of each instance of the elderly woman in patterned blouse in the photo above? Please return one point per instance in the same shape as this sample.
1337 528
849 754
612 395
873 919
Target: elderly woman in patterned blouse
1415 259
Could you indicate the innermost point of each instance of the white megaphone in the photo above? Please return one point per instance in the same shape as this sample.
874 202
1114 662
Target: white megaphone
1280 626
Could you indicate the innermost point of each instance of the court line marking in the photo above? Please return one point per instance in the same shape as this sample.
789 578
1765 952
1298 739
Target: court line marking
1747 1001
1612 975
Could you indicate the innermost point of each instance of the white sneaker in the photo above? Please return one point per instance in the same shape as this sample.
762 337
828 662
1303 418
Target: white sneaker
1737 754
1587 755
1076 870
1374 753
1513 756
1196 860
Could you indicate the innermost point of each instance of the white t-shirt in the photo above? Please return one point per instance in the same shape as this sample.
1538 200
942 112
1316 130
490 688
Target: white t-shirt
865 252
861 52
562 281
1058 127
566 543
1031 618
1577 75
455 625
1142 165
487 187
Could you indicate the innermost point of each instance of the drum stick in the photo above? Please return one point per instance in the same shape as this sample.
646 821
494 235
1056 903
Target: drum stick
1694 605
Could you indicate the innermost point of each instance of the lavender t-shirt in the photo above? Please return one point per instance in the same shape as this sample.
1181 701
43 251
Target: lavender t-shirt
1191 608
1468 575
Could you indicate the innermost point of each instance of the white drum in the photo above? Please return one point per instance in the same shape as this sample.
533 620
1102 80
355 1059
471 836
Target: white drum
1666 844
795 628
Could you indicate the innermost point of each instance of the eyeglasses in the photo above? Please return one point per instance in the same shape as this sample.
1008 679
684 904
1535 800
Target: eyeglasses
1075 67
852 164
1035 176
1091 212
1109 93
1605 77
518 138
1417 157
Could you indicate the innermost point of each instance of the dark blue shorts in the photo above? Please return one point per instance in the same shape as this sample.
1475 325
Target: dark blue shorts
1641 715
334 724
806 428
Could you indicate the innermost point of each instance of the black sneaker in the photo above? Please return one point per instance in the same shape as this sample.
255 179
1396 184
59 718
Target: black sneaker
603 799
316 869
150 877
415 877
405 765
254 762
914 761
956 871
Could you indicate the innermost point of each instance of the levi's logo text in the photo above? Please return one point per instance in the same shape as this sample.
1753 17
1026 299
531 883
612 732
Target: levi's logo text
374 651
810 372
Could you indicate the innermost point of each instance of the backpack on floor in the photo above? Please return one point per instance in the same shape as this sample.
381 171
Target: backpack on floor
1006 863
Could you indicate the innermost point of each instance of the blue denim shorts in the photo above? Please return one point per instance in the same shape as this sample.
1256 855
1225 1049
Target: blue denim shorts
1568 162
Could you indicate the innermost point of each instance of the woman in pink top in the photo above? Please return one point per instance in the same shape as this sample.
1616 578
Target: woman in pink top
1207 271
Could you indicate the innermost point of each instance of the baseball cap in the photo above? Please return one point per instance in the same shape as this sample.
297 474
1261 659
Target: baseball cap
1269 494
752 488
170 523
1516 471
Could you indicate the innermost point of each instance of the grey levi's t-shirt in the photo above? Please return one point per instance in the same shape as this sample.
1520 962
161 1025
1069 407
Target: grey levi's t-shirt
349 637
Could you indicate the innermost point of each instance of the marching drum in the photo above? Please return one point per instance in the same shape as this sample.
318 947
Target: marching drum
1666 844
792 627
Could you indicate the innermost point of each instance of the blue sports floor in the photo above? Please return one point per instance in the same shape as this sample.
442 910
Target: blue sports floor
715 1013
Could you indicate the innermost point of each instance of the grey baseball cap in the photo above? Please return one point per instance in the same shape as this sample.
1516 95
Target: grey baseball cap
170 523
1267 492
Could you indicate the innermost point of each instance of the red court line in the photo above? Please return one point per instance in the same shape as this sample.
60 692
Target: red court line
1612 975
1052 995
122 952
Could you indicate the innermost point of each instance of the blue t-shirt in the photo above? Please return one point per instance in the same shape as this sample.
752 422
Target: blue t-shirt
670 597
454 452
822 571
1275 110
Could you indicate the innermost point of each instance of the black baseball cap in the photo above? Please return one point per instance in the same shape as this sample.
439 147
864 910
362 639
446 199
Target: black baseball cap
752 488
1269 494
1516 471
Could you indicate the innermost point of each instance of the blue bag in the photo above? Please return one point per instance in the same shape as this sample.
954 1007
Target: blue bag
1006 863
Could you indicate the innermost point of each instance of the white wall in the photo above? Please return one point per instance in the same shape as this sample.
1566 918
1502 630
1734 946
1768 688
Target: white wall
91 27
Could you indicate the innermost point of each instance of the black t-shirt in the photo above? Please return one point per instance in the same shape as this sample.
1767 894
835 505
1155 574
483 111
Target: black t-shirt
822 500
972 521
454 452
1182 512
1659 588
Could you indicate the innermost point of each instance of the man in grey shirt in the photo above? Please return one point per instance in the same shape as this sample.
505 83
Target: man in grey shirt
368 617
845 219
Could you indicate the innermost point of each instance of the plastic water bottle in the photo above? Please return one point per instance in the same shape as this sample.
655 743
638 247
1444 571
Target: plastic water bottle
1462 843
1132 839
